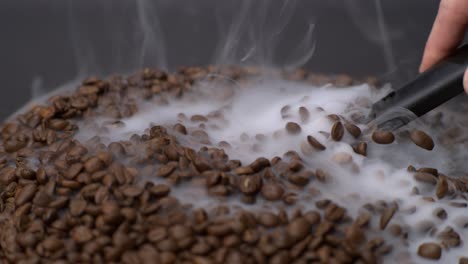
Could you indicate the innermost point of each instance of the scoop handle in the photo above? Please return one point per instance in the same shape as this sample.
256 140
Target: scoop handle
430 89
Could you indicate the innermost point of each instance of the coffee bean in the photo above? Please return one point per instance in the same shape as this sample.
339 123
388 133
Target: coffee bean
354 130
361 148
422 139
160 190
383 137
93 165
250 184
387 216
337 131
81 234
293 128
132 191
298 228
441 187
425 178
268 219
284 111
179 232
430 251
301 178
165 170
77 207
198 118
25 194
355 235
315 143
180 128
272 191
304 114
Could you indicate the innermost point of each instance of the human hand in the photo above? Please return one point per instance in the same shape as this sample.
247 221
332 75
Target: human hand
447 33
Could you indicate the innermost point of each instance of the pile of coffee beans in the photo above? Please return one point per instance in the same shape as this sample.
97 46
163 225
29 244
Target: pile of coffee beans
67 201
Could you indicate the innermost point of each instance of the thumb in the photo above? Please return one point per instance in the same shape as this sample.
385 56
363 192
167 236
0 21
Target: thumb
465 81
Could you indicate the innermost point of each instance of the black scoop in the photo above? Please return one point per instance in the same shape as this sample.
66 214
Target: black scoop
430 89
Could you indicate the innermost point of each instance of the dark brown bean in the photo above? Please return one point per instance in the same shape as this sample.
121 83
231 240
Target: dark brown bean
25 194
93 165
160 190
293 128
383 137
387 216
361 148
315 143
298 228
272 191
422 139
268 219
441 187
430 251
77 207
337 131
425 178
250 184
304 114
81 234
354 130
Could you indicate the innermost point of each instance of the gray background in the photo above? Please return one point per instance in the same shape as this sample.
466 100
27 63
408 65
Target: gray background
55 41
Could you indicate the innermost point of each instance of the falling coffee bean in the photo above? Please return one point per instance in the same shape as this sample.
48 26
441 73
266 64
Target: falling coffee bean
293 128
387 216
383 137
315 143
361 148
354 130
430 251
304 114
422 139
337 131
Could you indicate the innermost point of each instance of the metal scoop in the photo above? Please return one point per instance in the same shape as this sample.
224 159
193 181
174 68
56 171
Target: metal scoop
430 89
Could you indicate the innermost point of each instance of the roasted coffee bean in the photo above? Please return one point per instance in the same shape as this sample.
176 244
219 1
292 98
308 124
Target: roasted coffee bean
430 251
300 178
441 187
422 139
160 190
298 228
354 130
272 191
81 234
333 118
387 216
77 207
304 114
93 165
337 131
250 184
25 194
361 148
432 171
383 137
180 128
425 178
293 128
268 219
315 143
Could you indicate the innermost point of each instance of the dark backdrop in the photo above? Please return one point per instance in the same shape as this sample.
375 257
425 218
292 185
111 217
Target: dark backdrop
49 42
